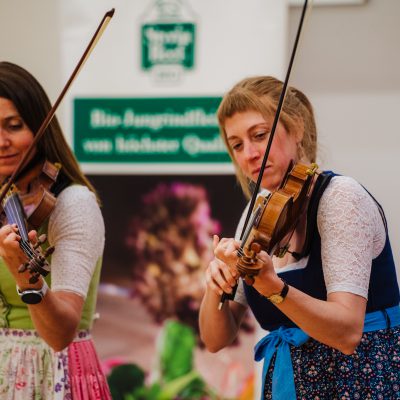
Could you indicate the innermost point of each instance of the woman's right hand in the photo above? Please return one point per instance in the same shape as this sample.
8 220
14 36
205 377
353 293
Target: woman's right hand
221 274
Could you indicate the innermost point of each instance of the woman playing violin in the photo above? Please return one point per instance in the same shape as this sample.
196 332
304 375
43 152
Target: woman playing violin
331 303
45 345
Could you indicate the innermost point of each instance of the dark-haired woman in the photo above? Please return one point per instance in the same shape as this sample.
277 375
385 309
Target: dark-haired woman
46 350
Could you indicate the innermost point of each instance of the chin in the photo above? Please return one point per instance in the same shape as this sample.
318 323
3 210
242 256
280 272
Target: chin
4 172
270 185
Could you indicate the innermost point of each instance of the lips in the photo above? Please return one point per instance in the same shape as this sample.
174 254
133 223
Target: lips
8 158
257 170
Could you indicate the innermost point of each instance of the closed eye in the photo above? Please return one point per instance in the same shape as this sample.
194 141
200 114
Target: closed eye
236 146
14 124
260 135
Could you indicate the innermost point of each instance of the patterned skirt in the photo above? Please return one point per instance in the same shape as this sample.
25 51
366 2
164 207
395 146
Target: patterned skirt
322 373
30 369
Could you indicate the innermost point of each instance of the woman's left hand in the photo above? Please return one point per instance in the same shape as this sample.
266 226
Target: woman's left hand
9 246
12 254
266 282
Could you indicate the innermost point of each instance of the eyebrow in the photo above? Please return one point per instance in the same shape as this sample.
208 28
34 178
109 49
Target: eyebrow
231 138
13 116
251 128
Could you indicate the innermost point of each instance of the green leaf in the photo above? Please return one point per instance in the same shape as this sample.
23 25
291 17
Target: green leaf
176 353
171 389
125 378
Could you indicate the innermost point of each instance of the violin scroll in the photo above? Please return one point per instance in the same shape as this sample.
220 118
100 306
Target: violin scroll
37 265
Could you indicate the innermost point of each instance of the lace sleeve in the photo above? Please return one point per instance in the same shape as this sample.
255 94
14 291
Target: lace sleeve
352 235
76 229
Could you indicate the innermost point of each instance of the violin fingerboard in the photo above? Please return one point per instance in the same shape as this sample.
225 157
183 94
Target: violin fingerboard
15 214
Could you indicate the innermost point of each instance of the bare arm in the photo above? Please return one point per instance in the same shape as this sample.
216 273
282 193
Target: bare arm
337 322
218 328
56 317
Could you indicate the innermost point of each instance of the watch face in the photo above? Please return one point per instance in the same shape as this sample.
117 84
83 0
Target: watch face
275 299
31 297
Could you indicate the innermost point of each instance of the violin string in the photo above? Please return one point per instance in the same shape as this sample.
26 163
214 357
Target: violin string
254 216
14 215
16 211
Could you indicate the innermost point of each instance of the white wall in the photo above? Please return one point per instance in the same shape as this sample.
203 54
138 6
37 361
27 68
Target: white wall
30 37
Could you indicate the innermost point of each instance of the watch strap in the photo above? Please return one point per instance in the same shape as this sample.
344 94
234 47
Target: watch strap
277 298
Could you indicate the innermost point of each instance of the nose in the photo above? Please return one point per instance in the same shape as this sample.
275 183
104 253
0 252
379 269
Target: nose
4 139
251 151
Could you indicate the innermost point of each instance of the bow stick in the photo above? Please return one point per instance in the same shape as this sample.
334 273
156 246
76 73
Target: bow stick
99 31
226 296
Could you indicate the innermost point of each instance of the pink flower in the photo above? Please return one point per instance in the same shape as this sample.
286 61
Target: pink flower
108 364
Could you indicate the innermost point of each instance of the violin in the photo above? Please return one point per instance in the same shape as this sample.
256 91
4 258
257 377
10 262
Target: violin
31 210
274 217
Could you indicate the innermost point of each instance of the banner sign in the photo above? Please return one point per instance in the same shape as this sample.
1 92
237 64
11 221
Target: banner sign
148 130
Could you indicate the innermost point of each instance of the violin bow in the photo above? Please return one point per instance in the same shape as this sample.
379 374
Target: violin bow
6 184
282 96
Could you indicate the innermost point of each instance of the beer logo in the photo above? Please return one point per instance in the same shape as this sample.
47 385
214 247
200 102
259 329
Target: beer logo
168 35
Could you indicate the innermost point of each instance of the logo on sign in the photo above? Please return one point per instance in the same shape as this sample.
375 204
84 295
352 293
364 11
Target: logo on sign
168 36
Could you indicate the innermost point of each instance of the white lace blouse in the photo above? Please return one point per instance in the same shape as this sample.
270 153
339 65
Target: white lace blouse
352 235
76 229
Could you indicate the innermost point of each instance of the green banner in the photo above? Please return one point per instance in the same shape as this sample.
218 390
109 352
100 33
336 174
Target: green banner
148 130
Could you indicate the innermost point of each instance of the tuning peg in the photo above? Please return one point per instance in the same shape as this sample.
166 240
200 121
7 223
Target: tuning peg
23 267
41 239
256 247
34 277
48 251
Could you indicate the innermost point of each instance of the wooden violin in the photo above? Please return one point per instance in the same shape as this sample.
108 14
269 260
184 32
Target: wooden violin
274 217
32 210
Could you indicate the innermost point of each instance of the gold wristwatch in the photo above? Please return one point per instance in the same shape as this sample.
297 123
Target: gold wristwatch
277 298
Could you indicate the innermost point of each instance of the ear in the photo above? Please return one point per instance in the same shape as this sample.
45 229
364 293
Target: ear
299 133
